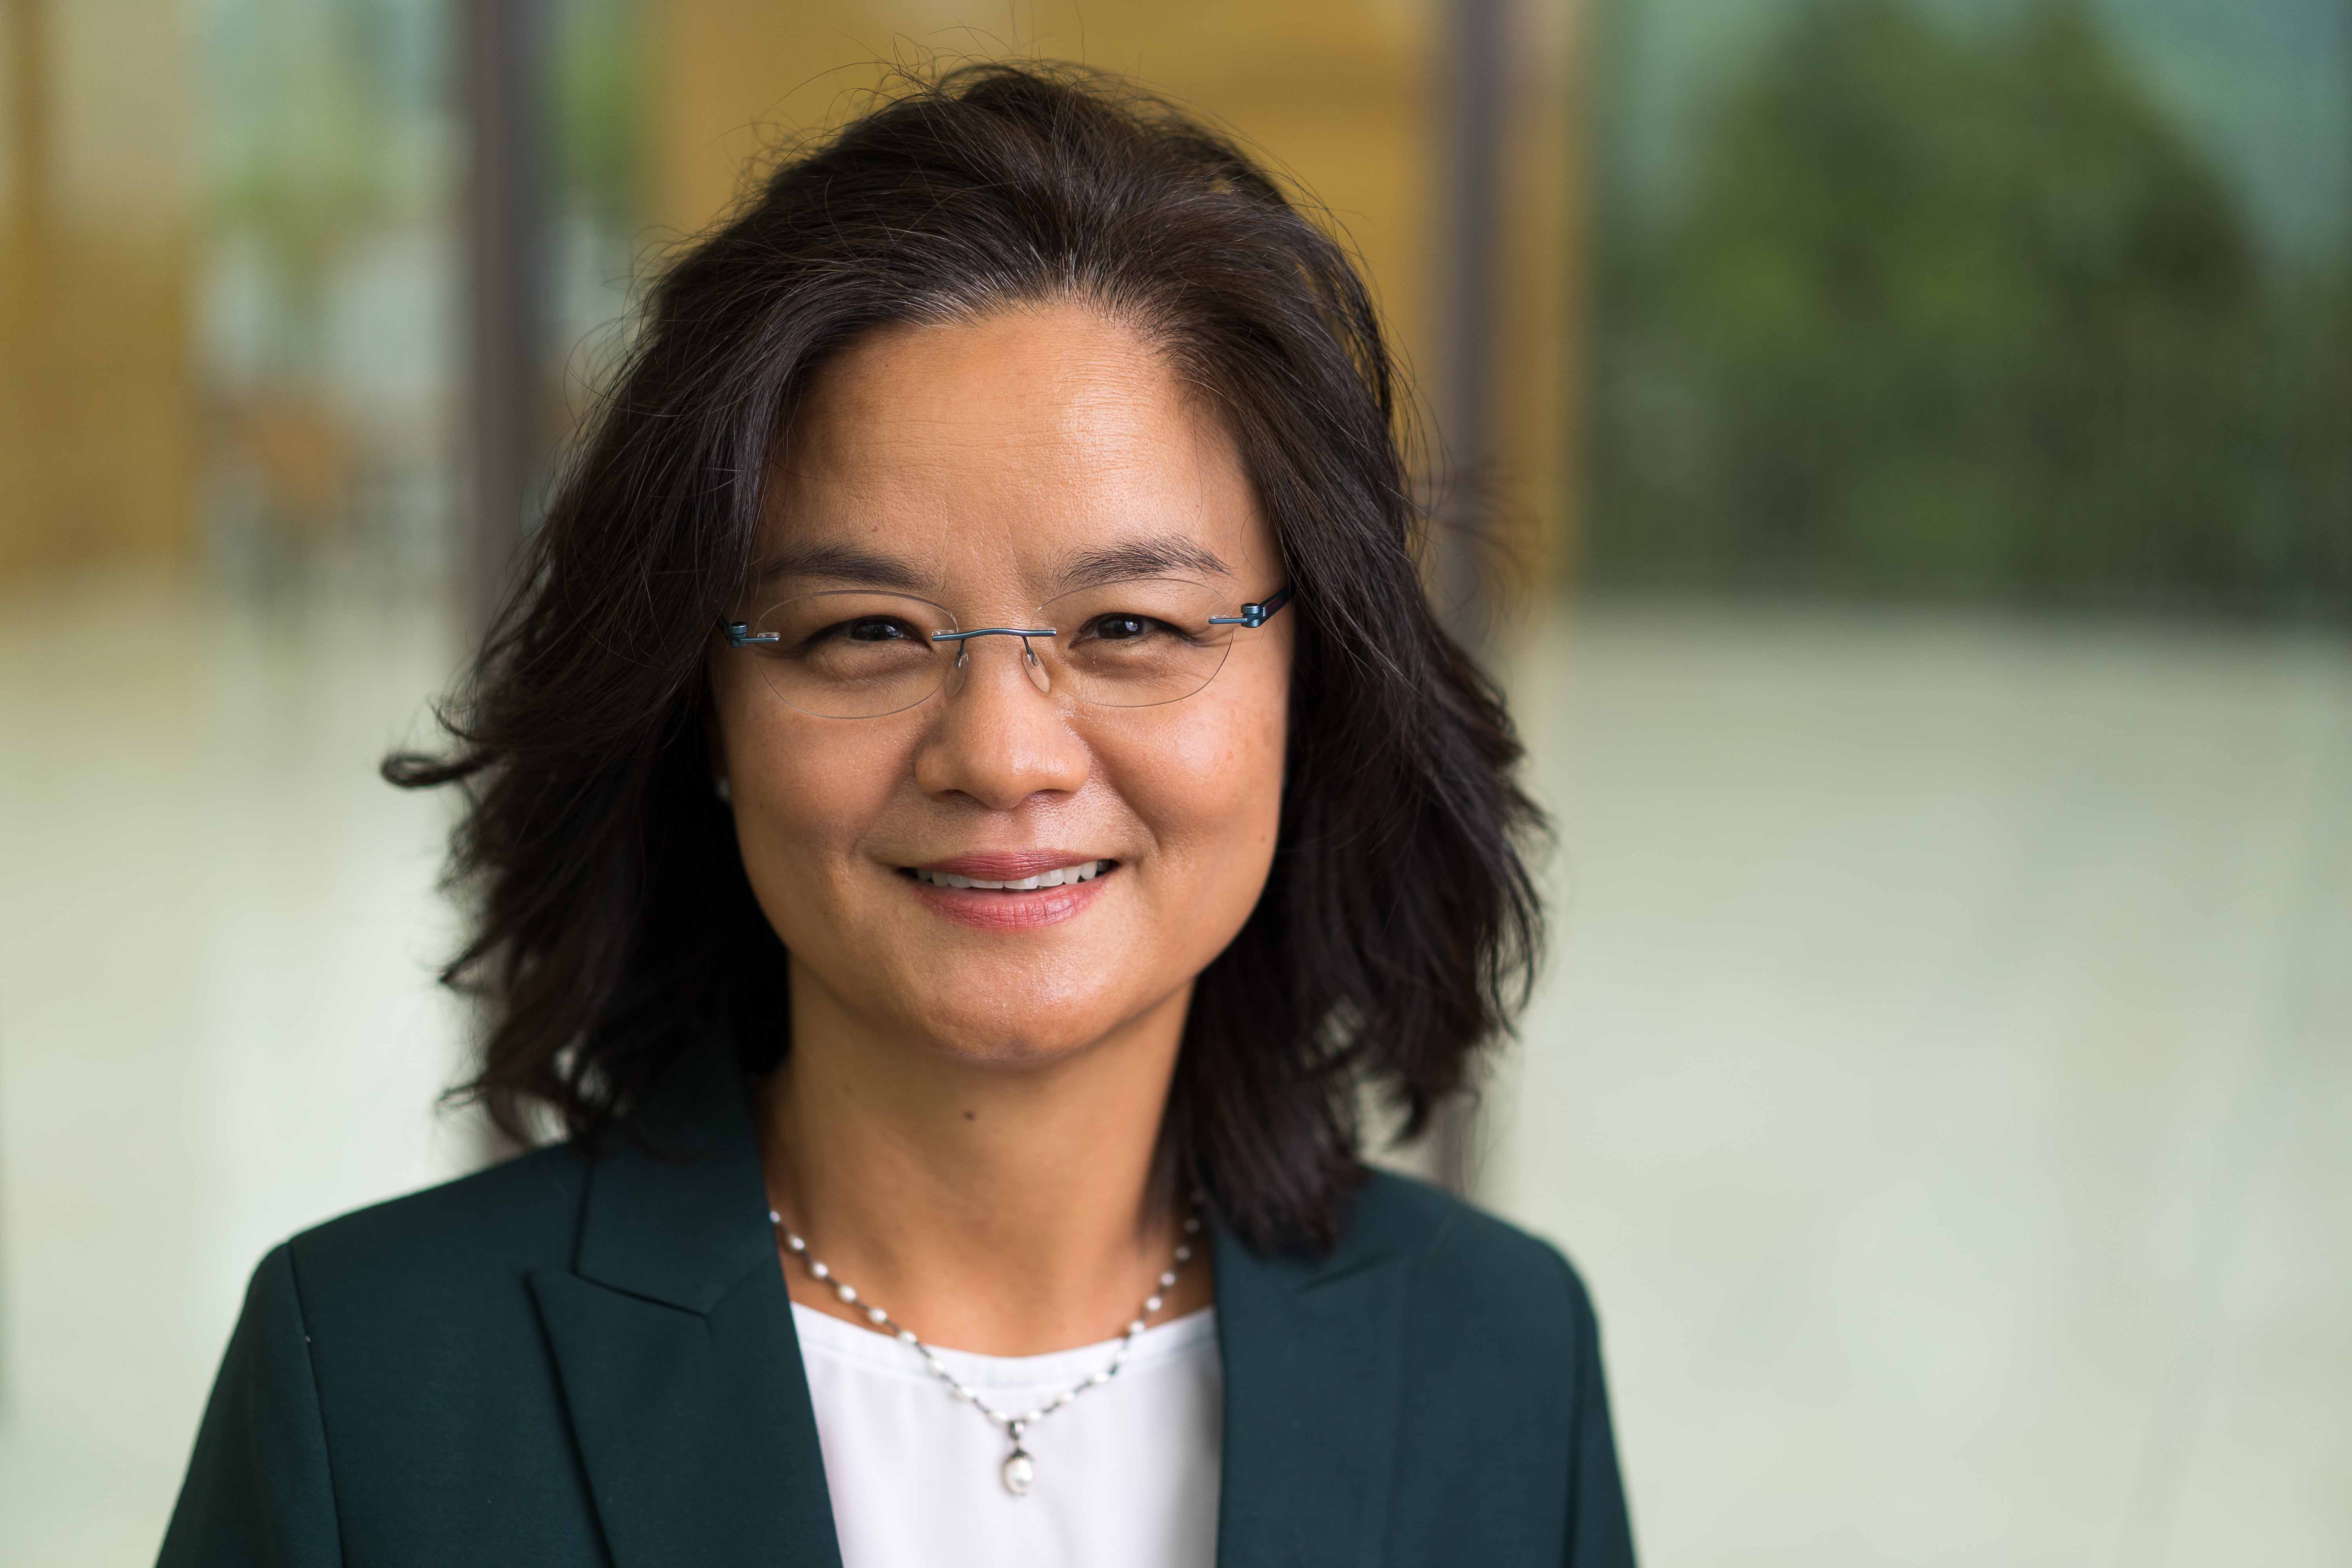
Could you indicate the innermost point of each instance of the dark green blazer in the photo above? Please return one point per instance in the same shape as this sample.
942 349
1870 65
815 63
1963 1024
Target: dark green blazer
571 1361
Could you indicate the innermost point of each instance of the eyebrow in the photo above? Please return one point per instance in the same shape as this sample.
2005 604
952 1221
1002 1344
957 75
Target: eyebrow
843 562
1119 563
1141 558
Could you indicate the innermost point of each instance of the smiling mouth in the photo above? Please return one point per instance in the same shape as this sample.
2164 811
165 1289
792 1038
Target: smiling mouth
1058 877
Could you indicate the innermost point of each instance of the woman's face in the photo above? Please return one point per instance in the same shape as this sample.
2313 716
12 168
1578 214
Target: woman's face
991 466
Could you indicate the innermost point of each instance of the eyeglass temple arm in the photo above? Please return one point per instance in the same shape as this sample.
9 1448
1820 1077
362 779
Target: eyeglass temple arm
1255 616
739 635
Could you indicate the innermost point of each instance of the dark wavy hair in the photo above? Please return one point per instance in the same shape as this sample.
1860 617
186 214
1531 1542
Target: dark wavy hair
612 922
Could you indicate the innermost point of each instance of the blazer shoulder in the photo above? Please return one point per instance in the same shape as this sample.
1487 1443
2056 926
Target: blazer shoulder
1502 1359
426 1247
1494 1275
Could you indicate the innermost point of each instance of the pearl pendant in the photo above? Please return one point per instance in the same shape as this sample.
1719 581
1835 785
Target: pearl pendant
1019 1471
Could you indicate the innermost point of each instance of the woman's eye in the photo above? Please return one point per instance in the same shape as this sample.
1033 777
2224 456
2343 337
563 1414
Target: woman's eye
1121 628
873 628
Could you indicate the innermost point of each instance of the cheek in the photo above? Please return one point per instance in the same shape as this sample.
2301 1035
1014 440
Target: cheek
801 799
1207 784
798 808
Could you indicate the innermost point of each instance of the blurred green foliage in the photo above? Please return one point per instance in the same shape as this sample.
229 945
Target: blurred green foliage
323 121
1967 316
598 85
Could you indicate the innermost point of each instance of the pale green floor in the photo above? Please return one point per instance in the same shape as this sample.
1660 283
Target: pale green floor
1944 1083
216 1021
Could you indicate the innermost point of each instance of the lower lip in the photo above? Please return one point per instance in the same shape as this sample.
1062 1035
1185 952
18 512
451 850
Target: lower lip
992 908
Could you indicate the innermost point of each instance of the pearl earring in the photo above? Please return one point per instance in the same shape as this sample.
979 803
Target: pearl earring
719 784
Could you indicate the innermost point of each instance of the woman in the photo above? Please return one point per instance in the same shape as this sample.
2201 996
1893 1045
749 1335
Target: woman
968 797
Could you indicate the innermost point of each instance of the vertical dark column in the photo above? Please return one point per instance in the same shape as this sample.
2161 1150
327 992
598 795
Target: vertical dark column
1469 270
504 48
505 441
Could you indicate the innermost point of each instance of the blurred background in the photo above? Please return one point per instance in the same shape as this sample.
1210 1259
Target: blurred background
1922 430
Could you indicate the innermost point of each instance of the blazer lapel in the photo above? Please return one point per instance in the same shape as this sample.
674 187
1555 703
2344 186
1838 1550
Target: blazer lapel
673 1336
1312 1368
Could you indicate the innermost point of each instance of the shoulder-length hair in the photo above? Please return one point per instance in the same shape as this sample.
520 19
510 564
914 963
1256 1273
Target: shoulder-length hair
612 922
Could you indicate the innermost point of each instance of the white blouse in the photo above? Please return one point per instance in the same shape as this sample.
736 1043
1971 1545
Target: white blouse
1125 1474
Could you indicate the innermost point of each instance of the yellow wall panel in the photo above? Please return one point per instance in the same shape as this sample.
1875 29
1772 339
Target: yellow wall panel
1342 96
1336 94
98 438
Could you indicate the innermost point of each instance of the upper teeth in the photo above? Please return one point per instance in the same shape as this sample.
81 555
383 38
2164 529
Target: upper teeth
1053 878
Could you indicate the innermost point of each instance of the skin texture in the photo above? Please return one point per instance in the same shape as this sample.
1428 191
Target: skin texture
964 1127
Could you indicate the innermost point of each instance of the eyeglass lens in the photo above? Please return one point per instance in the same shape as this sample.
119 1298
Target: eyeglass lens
852 654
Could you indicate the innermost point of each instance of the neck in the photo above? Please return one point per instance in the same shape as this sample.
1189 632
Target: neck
1005 1208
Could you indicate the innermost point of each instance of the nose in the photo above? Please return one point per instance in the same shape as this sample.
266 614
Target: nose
999 738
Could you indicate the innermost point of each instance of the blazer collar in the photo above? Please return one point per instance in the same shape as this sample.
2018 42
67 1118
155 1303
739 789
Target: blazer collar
678 1214
1313 1360
673 1336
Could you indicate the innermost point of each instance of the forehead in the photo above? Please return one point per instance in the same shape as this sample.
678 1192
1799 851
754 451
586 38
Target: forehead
1010 446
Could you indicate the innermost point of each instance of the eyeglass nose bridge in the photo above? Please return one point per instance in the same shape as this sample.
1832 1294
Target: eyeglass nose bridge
1032 665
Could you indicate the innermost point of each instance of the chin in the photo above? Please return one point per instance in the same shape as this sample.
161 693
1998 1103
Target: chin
1049 1023
1004 1053
1003 1042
